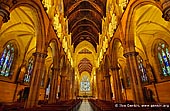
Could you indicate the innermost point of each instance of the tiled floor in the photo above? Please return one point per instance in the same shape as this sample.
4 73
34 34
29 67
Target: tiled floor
85 106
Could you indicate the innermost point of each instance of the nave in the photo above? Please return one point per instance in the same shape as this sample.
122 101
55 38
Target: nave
54 52
85 106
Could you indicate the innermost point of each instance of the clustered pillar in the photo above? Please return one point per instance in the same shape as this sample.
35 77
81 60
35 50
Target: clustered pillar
117 84
97 83
135 77
63 88
102 90
107 87
36 79
68 91
54 85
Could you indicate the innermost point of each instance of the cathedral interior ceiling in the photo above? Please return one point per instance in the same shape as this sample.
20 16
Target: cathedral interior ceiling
22 27
146 17
85 20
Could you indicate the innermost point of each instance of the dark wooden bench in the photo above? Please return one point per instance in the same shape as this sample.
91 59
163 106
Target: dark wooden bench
71 105
101 105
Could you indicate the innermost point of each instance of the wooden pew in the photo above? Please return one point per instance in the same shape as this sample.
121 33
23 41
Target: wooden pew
100 105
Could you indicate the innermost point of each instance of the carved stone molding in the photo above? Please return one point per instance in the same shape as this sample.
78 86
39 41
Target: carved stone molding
63 76
39 54
107 76
102 80
114 68
128 54
57 69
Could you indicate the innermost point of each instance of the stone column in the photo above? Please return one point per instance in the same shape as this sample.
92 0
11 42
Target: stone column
102 90
97 84
73 85
166 9
93 87
36 79
117 84
100 87
107 87
63 88
4 12
54 85
134 77
67 91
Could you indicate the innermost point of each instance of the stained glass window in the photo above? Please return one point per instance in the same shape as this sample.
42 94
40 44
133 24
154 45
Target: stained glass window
142 69
164 58
29 70
6 60
85 84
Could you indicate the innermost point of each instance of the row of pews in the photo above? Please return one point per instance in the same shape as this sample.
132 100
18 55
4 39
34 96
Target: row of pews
11 106
70 105
101 105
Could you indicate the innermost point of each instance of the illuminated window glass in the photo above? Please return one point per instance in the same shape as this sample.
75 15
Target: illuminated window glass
142 69
6 60
164 58
85 86
29 70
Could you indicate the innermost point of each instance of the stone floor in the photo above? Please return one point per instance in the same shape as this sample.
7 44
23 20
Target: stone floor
85 106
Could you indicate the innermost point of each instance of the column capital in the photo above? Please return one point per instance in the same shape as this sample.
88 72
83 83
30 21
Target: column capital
57 69
62 76
107 76
134 53
40 54
67 79
102 80
114 68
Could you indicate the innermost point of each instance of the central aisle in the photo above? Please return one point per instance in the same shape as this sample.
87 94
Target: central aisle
85 106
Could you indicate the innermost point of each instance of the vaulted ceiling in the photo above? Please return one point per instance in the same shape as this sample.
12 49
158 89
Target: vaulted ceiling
85 20
85 65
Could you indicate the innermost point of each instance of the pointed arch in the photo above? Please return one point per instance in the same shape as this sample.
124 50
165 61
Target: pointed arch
129 27
40 30
8 58
161 52
29 70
